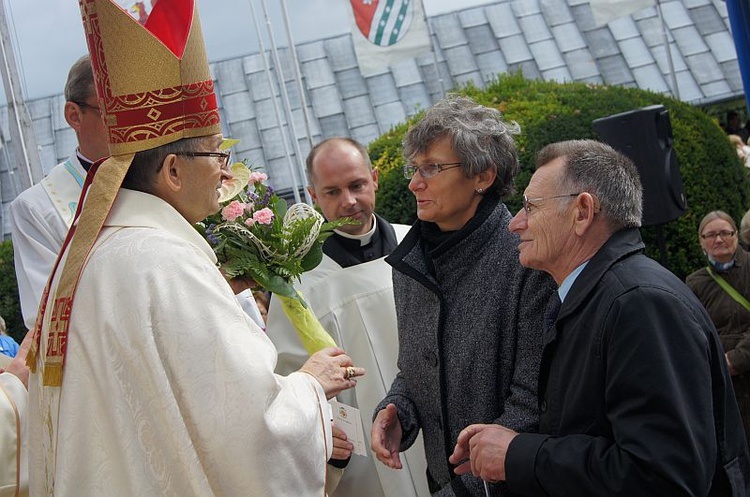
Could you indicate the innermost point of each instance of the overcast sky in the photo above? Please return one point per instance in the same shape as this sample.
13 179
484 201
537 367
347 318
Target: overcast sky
48 35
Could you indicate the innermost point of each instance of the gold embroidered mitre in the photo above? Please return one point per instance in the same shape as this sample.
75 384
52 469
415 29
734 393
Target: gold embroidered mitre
154 87
153 81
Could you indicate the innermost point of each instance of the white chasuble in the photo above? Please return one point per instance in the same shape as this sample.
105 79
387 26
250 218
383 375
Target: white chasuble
355 305
168 386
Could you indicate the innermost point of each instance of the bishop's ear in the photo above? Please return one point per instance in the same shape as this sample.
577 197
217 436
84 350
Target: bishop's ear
171 174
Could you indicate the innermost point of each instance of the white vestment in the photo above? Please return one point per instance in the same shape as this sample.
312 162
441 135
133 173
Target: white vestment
39 221
355 305
13 468
169 387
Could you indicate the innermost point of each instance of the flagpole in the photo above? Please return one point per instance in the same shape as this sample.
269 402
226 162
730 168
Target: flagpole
285 101
668 48
261 45
21 129
434 52
297 73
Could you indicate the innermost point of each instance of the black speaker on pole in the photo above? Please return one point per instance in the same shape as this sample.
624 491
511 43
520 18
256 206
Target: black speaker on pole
645 136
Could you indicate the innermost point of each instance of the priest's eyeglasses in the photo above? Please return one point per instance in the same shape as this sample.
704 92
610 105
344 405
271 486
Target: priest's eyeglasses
529 203
724 234
428 170
223 156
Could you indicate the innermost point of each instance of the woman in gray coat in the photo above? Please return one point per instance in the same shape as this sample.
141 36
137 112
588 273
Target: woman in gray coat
469 316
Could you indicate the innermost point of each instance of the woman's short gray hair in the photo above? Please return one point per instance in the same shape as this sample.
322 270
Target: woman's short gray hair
597 168
480 138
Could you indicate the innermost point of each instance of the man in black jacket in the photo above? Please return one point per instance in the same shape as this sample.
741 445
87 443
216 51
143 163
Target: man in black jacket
634 391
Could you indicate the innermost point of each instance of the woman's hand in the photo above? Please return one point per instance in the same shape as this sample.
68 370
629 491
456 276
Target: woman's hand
385 437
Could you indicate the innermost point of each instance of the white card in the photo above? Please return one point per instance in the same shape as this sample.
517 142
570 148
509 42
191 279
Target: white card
347 419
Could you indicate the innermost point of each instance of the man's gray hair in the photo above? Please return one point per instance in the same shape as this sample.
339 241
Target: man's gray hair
479 136
597 168
80 84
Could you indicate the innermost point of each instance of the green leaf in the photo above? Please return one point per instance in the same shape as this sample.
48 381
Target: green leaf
313 257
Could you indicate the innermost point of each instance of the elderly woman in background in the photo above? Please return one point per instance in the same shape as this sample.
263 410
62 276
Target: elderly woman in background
469 316
745 231
723 286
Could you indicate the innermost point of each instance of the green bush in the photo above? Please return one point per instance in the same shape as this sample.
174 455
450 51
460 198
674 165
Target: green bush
712 174
10 306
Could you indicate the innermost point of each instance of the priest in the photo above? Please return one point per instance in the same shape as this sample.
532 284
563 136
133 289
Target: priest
147 376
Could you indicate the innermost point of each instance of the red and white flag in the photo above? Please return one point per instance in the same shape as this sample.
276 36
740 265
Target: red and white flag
387 31
139 10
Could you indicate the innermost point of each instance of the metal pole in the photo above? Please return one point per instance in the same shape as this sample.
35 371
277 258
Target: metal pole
668 48
285 100
22 135
434 51
275 104
297 73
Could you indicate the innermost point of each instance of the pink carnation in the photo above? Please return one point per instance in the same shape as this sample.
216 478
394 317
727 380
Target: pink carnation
257 177
249 222
233 210
263 216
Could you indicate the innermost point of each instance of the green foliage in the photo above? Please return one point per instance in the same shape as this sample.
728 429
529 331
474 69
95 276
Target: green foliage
548 112
10 306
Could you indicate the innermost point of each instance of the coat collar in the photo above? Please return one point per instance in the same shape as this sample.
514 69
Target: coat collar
620 245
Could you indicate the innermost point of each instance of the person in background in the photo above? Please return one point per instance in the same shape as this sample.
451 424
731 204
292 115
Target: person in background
41 215
634 391
351 294
469 315
723 287
733 126
8 346
14 380
743 150
745 231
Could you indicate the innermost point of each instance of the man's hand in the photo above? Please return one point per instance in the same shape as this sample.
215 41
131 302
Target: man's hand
18 365
342 448
333 369
486 447
385 437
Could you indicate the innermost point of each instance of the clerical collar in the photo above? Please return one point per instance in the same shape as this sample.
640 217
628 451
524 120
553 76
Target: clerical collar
85 162
363 239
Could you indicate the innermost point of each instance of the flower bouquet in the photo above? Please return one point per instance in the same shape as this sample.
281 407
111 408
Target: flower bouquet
256 235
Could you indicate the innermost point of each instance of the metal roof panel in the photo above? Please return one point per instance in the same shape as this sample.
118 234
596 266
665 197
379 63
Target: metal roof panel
502 20
515 49
326 101
350 83
534 28
568 37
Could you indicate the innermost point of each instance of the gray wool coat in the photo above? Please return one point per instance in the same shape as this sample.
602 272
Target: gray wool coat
470 324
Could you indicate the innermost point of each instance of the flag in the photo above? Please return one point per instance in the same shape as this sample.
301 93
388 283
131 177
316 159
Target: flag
387 31
608 10
139 10
739 20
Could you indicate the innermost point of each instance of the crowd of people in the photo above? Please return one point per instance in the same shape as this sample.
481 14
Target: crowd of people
488 354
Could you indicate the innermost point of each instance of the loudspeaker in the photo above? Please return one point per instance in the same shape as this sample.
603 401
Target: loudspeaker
645 136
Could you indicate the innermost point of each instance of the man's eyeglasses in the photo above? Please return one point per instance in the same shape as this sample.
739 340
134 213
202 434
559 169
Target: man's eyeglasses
84 105
428 170
724 234
528 203
223 156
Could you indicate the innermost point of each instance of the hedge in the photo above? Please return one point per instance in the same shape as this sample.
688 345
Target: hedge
712 175
10 307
